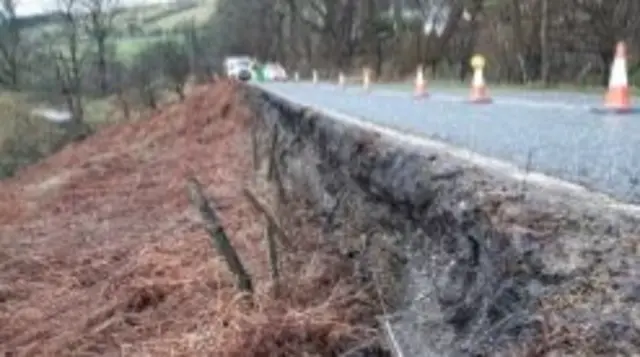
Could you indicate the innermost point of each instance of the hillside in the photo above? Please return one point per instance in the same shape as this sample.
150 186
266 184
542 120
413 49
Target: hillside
101 254
148 17
137 26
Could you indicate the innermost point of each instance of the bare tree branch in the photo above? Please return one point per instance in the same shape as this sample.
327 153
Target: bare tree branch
11 45
100 27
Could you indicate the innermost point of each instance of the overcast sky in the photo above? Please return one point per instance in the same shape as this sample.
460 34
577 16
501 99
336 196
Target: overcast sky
31 7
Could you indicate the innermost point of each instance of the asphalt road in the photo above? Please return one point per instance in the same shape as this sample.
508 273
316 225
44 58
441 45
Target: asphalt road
552 133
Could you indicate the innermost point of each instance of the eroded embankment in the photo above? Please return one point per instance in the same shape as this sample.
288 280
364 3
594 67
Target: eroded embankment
479 264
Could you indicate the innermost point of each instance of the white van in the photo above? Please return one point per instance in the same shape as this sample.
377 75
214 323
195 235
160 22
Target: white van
239 67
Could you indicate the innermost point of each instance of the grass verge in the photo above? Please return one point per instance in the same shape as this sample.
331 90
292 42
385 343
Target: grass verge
25 138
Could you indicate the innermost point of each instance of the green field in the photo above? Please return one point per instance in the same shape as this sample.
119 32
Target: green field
139 26
127 47
165 16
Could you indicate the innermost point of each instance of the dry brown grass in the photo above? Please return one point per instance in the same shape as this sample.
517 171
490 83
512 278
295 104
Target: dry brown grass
109 260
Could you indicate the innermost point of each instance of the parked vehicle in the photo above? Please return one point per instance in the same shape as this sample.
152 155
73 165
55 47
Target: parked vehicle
239 67
275 72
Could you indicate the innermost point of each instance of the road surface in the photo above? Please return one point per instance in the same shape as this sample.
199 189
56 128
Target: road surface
552 133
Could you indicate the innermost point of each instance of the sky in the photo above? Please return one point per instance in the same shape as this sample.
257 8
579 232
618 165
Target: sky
32 7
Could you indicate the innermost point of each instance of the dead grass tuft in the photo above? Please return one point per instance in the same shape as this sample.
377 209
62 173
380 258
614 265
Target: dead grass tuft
110 260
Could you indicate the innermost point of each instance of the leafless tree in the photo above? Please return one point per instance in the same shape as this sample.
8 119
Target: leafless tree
68 56
11 45
174 63
231 19
544 41
145 76
99 27
602 24
196 47
336 27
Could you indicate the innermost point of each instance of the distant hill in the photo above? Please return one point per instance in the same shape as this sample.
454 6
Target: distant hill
143 17
136 26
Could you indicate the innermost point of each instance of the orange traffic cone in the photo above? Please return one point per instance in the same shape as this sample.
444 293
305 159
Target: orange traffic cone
420 84
479 93
618 97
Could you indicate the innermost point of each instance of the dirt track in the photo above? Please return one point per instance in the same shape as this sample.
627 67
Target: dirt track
100 253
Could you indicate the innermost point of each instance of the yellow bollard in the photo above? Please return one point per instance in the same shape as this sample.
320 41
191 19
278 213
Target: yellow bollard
479 93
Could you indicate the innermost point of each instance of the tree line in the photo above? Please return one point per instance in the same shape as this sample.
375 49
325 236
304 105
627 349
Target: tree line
523 40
